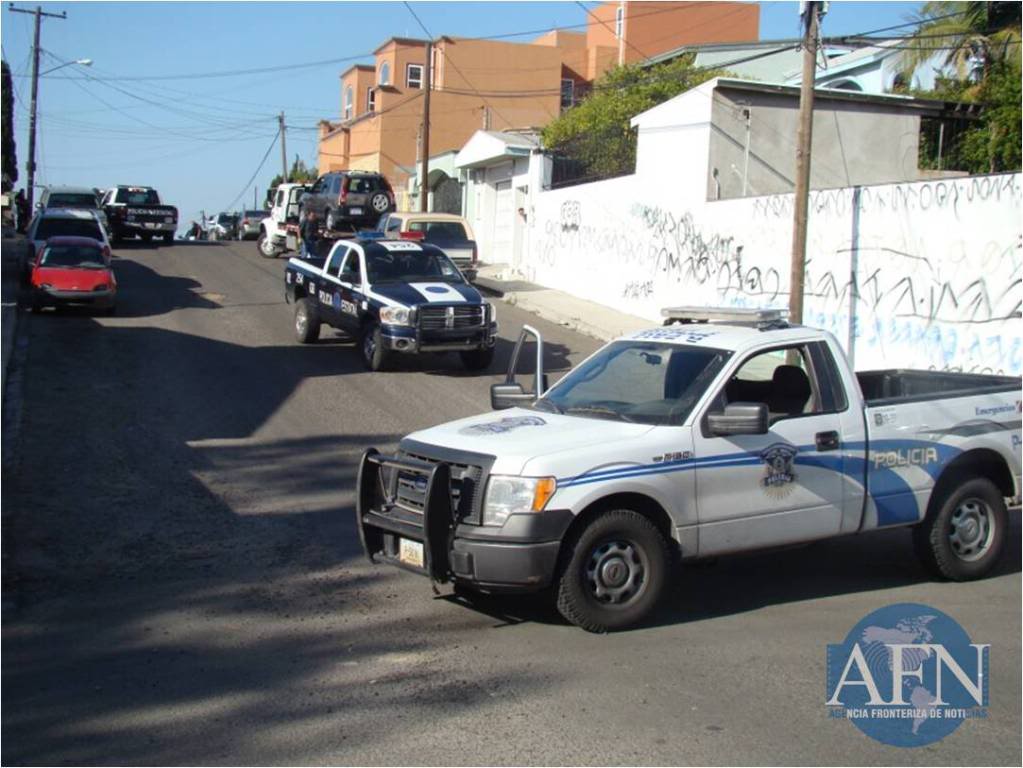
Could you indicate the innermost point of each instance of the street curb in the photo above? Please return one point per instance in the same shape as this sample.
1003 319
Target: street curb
491 287
10 455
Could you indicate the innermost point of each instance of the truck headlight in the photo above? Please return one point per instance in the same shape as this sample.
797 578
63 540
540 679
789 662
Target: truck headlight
492 313
509 495
395 316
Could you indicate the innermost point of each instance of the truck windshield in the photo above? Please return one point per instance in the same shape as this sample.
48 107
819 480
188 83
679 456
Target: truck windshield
411 267
639 381
138 196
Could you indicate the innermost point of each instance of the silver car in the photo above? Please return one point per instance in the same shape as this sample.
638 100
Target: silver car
81 198
248 224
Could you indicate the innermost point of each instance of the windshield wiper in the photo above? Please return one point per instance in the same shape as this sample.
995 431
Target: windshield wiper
547 405
597 410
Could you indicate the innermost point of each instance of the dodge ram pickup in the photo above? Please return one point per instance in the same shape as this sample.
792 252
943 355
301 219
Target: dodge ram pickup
395 297
137 211
721 432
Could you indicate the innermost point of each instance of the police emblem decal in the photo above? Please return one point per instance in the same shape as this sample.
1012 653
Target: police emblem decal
779 473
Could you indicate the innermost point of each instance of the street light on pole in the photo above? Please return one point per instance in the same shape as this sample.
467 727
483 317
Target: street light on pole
79 62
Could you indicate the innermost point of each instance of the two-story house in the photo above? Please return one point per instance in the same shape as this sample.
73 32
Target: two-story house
499 85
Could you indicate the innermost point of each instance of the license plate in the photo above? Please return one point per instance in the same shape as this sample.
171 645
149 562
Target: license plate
355 211
411 552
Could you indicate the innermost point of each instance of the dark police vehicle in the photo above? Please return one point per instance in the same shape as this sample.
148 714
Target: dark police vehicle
394 297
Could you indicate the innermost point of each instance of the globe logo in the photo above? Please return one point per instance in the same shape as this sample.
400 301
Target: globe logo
907 675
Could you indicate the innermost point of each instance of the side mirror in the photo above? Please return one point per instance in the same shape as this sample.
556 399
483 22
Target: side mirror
508 396
511 393
739 419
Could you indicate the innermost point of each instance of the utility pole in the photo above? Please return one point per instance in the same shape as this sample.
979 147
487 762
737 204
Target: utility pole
284 147
255 204
804 142
31 164
424 175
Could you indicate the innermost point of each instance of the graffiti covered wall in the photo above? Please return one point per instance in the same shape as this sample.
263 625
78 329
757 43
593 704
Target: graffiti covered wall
920 275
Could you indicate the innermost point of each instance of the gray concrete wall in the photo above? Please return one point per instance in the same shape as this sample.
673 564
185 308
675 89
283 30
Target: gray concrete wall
853 144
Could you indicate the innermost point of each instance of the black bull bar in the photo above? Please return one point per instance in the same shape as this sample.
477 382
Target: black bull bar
384 515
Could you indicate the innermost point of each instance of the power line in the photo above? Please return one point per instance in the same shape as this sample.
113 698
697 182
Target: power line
262 162
621 37
454 66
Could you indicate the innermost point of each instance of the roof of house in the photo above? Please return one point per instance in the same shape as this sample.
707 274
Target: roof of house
485 147
363 67
400 41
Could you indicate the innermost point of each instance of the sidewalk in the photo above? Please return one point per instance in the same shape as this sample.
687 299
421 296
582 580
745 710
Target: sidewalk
587 317
11 249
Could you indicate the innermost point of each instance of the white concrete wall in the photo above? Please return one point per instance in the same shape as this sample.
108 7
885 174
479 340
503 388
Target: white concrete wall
920 275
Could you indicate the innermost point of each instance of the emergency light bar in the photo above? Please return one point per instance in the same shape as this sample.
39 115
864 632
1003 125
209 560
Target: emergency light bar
736 316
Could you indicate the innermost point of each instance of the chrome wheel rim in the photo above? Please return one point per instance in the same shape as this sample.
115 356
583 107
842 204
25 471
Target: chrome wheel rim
380 203
301 322
615 572
971 530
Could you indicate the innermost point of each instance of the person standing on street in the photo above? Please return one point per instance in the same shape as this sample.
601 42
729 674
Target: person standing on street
310 235
21 210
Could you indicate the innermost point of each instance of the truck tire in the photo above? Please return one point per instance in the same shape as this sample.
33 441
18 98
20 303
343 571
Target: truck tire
613 572
146 237
964 533
169 238
266 246
477 359
374 356
307 322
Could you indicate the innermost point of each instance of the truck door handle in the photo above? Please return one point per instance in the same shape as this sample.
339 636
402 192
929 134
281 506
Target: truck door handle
827 441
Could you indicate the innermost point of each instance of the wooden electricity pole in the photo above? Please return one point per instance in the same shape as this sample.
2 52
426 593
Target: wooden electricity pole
804 141
30 166
284 148
424 174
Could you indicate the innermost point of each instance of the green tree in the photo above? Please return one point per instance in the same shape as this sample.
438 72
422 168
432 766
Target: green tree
596 132
967 33
298 173
9 151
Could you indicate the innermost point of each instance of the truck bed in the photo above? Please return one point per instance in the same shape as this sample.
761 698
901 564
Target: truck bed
900 385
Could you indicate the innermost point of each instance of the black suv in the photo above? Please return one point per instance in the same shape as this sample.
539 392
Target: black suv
349 199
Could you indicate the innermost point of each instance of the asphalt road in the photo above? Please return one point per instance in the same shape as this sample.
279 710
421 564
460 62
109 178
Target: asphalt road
189 588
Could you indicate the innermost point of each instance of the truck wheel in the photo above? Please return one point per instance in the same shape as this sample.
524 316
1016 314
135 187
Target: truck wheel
613 572
266 247
146 237
964 536
374 356
169 238
307 322
478 359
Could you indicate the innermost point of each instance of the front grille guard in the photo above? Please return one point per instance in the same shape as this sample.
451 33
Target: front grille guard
380 519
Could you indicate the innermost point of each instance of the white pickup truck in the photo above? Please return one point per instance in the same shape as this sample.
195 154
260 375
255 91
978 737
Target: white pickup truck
720 432
273 230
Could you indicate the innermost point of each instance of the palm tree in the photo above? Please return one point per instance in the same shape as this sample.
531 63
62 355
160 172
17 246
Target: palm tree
972 33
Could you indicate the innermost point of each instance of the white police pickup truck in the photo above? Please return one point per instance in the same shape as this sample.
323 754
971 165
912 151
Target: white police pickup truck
726 432
395 297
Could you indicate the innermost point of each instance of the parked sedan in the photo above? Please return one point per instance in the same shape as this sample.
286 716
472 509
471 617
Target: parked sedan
224 227
73 270
61 222
82 198
248 224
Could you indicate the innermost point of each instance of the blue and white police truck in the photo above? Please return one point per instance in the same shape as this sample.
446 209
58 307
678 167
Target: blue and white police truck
395 297
721 432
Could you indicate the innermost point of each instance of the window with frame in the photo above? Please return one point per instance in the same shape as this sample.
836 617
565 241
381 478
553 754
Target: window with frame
336 257
414 75
385 74
348 107
350 272
619 21
567 93
371 99
782 378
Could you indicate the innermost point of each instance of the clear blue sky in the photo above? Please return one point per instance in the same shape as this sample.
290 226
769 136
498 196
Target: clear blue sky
198 138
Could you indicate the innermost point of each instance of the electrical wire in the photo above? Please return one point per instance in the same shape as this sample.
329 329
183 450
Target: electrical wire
262 162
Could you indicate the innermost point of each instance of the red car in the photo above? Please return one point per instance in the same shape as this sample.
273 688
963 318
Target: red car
73 270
